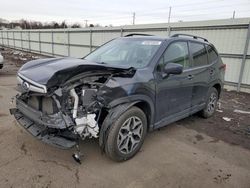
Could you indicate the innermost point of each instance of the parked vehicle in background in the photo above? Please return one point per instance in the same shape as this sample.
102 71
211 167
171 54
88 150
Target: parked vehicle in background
1 61
119 92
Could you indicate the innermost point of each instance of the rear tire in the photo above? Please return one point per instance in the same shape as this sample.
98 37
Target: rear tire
126 135
211 103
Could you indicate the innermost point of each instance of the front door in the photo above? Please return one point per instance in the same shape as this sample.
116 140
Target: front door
173 92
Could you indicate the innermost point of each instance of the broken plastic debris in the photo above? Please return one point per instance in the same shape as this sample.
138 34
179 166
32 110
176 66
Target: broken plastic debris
241 111
237 102
226 118
16 53
219 110
23 59
219 105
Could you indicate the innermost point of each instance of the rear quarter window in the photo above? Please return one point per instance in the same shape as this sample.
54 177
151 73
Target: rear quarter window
212 54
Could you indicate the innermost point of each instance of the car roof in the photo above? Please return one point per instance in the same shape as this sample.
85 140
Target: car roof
172 38
147 37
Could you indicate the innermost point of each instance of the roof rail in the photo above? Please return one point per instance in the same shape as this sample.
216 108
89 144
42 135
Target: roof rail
137 34
187 35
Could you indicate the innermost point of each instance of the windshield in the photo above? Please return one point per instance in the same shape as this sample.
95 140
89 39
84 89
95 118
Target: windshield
127 52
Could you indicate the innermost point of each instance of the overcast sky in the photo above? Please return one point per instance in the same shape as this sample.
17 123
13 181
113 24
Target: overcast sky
117 12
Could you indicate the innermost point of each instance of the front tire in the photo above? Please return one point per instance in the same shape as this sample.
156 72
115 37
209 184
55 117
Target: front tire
211 103
126 135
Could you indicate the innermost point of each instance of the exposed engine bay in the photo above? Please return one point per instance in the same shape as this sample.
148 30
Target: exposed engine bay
75 106
84 108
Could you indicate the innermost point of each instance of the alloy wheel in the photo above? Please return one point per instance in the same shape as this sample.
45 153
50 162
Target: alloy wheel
212 103
130 135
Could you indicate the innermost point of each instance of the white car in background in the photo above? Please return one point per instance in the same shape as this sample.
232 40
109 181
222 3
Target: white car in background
1 61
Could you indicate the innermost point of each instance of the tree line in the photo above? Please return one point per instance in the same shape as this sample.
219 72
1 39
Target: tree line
24 24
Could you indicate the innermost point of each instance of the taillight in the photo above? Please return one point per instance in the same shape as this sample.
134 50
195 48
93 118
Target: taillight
223 66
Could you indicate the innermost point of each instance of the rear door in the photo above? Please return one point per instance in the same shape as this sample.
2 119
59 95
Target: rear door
173 92
213 60
200 71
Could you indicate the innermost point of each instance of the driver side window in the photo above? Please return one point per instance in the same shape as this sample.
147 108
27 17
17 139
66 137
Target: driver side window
176 52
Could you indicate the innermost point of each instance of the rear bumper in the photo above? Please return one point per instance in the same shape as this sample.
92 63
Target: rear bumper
63 140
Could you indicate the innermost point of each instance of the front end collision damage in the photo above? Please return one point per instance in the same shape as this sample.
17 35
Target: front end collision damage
76 109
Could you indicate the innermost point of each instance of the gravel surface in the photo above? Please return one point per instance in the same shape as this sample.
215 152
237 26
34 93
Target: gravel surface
193 152
236 131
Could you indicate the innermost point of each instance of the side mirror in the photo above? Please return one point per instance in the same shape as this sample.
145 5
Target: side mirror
173 68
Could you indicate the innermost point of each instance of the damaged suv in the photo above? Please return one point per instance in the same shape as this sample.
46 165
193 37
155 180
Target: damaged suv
119 92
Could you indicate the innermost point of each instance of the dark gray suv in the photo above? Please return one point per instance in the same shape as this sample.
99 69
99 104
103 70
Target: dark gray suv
119 92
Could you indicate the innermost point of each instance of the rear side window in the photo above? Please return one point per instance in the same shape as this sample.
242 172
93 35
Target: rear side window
176 52
212 55
199 54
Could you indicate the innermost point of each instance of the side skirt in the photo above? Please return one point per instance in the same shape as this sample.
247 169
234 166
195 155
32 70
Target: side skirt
179 116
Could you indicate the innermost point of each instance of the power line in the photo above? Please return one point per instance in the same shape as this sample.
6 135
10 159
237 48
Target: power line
156 11
182 5
229 13
195 4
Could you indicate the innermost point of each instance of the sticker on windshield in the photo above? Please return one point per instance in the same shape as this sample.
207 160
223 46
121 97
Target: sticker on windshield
151 42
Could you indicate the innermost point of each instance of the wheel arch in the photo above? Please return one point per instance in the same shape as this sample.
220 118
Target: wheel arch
141 101
218 87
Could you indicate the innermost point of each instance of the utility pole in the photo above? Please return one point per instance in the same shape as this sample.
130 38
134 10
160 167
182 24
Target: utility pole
233 14
86 23
133 22
169 14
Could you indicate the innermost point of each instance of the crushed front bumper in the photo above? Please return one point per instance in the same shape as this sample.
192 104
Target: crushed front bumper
52 121
64 139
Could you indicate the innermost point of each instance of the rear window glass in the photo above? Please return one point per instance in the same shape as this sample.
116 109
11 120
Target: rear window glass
199 54
212 55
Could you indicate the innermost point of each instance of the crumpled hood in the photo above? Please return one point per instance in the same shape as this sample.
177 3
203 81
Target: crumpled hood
55 71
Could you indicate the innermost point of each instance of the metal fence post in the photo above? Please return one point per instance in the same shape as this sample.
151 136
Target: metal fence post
29 41
2 38
39 38
52 45
68 43
169 31
14 41
8 43
244 58
121 32
90 40
22 40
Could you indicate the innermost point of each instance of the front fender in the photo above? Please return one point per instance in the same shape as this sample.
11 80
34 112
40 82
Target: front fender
135 99
117 108
113 113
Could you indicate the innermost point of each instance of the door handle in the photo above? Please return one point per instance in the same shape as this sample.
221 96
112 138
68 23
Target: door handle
211 71
190 77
